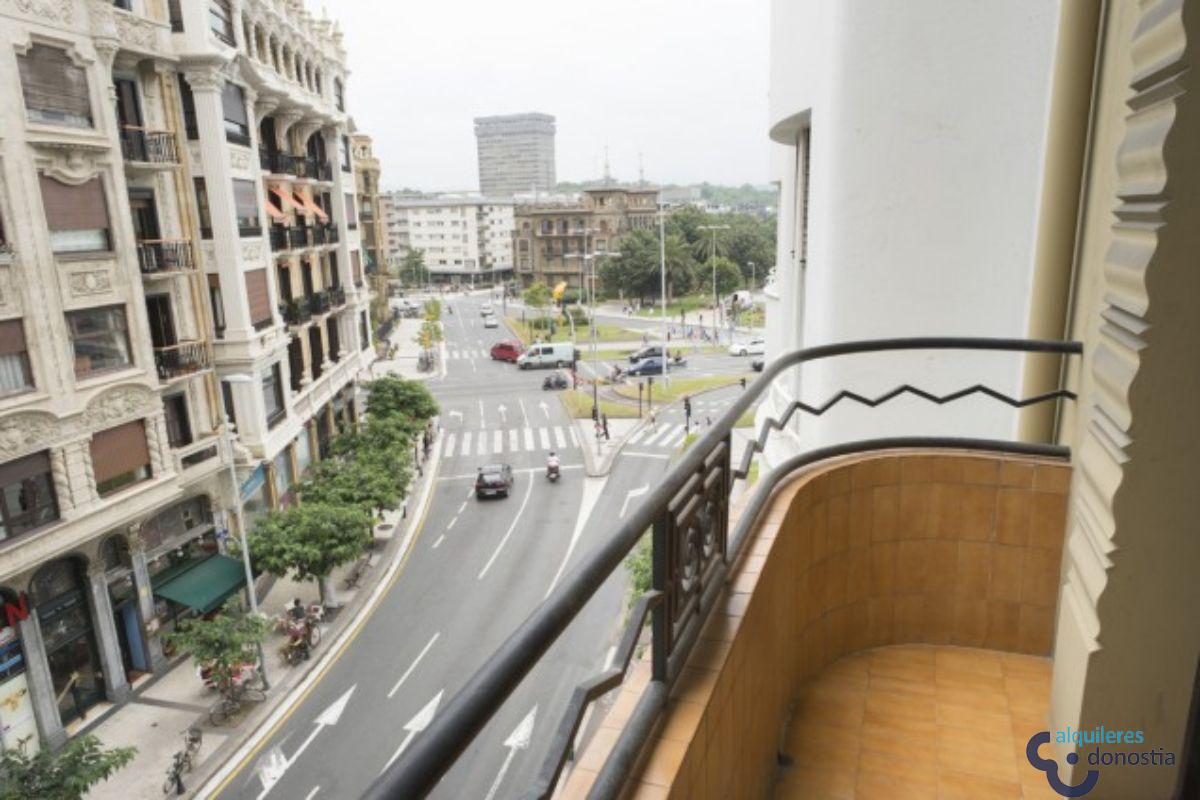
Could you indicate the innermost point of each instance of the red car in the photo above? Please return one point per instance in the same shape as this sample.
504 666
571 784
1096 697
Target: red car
507 350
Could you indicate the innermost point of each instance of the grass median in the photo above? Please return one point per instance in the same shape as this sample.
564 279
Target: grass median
604 333
579 406
680 387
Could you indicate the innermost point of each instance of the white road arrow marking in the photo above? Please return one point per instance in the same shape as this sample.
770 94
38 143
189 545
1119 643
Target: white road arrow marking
632 493
545 408
277 765
415 725
523 414
503 415
413 666
519 739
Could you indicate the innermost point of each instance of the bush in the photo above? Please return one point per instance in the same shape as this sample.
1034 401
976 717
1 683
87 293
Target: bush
570 296
579 315
640 563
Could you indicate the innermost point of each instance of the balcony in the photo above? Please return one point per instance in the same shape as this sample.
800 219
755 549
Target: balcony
320 302
156 256
144 147
331 233
181 360
196 453
296 312
279 238
337 297
925 566
299 237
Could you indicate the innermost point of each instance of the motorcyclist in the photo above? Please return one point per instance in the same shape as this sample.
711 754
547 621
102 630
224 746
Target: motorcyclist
552 463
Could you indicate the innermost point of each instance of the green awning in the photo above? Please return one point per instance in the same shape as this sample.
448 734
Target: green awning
206 585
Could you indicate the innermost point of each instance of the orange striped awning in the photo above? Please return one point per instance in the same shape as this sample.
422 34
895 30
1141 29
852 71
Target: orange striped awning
274 211
286 202
310 206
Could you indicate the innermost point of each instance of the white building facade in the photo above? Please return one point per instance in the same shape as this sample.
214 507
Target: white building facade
463 238
178 250
907 149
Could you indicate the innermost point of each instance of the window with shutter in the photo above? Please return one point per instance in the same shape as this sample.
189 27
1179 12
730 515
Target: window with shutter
120 457
220 21
258 298
188 102
356 266
77 216
245 200
27 499
202 210
55 89
272 388
15 375
351 216
237 123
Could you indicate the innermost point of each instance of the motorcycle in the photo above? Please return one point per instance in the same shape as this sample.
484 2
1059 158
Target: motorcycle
552 471
555 381
303 635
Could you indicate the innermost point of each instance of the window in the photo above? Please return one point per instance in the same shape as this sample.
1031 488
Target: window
27 498
120 457
303 451
15 375
77 216
345 154
202 210
272 389
339 95
188 102
351 217
258 298
227 401
237 124
175 13
55 89
220 21
99 338
245 200
179 430
363 331
218 305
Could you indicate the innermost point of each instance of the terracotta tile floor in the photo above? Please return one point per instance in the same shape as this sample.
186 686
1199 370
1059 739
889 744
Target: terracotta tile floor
919 721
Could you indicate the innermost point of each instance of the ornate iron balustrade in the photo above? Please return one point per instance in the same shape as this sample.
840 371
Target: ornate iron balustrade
320 303
149 147
688 514
337 297
165 255
279 238
179 360
318 234
296 312
331 233
299 236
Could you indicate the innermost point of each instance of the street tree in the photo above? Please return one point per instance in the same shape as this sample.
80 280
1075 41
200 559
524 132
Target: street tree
751 241
64 775
371 480
412 267
390 396
729 277
638 269
538 296
311 539
223 643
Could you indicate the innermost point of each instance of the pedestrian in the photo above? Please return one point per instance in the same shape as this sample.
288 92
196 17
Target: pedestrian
604 422
653 422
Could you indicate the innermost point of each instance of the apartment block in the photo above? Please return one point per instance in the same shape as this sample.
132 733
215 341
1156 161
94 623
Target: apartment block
560 240
182 321
366 173
464 238
516 153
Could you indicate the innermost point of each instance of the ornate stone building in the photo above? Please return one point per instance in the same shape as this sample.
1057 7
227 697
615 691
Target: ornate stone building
551 236
178 245
366 176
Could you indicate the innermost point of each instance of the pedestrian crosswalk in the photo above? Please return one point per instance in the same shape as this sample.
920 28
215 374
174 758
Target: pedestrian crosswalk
662 435
515 440
467 353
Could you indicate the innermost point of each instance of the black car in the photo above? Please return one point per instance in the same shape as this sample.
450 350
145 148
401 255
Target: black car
757 365
653 351
493 480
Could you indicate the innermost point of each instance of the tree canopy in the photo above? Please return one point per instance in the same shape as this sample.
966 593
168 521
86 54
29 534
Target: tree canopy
637 271
224 642
66 775
537 295
412 266
310 539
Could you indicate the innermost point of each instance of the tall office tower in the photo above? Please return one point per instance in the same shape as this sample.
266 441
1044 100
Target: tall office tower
516 153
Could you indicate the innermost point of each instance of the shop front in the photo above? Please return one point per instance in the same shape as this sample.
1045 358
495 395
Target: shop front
17 722
58 594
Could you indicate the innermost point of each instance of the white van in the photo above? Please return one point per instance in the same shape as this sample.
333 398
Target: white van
548 354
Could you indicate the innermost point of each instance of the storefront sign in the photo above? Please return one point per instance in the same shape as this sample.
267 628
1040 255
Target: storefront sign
17 722
14 613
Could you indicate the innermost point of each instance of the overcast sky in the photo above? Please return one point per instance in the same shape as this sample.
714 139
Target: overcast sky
683 82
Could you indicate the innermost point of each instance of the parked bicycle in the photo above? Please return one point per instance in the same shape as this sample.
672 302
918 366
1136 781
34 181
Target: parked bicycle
183 761
248 685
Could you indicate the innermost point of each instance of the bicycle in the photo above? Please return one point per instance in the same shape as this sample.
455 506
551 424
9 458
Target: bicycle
183 761
240 692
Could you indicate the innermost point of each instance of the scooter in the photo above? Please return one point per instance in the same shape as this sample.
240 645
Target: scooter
552 472
555 381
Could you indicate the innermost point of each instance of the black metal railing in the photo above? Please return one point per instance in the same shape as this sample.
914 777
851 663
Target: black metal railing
165 255
149 147
298 236
279 238
296 312
331 233
320 302
318 234
337 296
688 515
178 360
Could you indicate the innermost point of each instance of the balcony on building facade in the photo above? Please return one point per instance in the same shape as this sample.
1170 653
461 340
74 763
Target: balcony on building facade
296 312
165 255
299 236
278 235
181 360
331 233
139 146
199 452
790 593
337 297
320 302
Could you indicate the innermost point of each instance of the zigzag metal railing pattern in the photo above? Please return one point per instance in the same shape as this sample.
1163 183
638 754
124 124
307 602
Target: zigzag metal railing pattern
759 443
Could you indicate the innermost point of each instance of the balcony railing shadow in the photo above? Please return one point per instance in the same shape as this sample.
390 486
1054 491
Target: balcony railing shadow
695 548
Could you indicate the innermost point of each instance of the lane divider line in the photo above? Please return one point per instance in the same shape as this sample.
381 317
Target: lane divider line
413 665
511 528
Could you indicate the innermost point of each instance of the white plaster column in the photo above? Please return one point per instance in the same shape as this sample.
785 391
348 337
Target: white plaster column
145 600
157 444
62 482
41 685
116 685
207 85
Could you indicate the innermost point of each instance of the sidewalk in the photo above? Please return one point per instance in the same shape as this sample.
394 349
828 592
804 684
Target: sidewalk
162 707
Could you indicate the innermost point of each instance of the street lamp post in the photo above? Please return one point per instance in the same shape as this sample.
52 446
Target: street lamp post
589 273
712 260
241 525
662 267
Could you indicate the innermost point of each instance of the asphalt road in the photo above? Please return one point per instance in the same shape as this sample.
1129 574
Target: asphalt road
476 570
